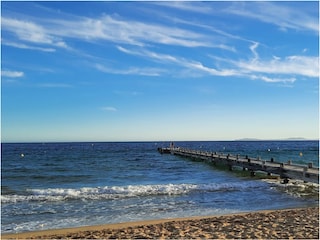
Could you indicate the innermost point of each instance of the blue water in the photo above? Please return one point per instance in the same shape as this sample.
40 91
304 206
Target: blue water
57 185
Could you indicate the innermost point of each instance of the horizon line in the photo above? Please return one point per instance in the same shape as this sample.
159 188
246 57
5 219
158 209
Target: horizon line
155 141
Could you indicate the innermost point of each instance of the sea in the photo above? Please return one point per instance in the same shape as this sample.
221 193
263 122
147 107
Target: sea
63 185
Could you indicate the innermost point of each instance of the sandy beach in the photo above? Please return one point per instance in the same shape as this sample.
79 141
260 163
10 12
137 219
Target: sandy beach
300 223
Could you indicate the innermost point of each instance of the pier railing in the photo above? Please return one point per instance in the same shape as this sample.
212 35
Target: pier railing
307 173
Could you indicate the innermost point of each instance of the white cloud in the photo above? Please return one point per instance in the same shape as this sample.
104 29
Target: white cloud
212 71
274 70
291 65
12 74
120 30
107 28
31 32
273 80
253 50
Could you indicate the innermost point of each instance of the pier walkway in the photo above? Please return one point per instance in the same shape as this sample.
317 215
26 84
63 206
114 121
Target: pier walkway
307 173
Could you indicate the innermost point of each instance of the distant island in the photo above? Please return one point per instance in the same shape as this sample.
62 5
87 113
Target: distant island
284 139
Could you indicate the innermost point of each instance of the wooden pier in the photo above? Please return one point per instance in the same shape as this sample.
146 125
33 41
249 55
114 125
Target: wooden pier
306 173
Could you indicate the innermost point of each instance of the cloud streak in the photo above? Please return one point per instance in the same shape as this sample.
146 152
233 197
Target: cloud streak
24 46
284 17
31 32
130 71
55 85
289 66
105 28
181 62
12 74
109 109
185 6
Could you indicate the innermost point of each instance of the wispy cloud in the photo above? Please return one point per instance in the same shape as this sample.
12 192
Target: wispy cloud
254 52
130 71
273 79
12 74
211 28
142 39
291 65
130 32
55 85
24 46
107 28
288 67
181 62
127 93
186 6
31 32
274 69
279 14
109 109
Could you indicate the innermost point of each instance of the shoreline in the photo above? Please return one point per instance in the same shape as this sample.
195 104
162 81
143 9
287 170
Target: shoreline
284 223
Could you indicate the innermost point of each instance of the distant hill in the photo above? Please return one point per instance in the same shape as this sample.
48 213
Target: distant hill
283 139
296 138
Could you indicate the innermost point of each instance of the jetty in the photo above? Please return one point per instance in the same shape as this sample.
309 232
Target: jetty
286 171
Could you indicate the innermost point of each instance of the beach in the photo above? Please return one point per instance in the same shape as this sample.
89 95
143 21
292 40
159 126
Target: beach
300 223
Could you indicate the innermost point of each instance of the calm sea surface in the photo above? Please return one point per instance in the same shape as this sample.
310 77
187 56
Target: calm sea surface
57 185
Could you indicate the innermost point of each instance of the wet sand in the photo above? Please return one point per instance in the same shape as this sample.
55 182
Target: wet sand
302 223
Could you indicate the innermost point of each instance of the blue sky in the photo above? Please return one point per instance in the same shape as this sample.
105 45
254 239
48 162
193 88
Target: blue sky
137 71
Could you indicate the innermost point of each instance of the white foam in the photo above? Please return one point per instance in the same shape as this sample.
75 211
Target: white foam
116 192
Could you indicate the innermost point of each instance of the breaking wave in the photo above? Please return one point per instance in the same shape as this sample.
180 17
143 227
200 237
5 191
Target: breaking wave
118 192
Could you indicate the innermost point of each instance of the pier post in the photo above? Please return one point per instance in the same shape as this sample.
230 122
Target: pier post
285 180
305 169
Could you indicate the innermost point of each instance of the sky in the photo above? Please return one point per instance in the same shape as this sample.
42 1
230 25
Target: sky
159 71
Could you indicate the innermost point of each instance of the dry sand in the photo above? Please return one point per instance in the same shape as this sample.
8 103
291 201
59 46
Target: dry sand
300 223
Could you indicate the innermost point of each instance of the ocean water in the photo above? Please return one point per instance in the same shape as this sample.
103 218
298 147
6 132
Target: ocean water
59 185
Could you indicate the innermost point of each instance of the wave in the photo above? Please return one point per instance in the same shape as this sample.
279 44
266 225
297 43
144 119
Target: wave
118 192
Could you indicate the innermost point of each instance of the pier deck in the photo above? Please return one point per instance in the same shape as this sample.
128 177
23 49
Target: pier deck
307 173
